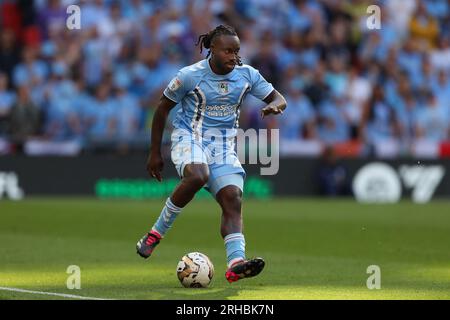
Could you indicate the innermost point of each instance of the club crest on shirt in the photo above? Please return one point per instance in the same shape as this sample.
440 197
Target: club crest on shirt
174 84
223 87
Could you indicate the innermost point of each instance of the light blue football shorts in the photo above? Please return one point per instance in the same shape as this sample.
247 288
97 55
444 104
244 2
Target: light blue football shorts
216 151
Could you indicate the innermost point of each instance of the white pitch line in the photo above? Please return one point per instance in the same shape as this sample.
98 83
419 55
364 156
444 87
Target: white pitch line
50 294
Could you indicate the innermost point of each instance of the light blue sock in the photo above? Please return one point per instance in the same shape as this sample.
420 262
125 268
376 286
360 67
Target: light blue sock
235 247
166 218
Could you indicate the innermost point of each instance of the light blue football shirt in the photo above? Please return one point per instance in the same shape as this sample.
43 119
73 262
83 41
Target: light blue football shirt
212 101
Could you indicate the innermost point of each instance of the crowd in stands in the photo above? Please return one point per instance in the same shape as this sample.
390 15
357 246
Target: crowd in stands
344 83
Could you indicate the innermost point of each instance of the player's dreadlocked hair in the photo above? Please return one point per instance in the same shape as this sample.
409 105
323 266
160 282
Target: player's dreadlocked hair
206 39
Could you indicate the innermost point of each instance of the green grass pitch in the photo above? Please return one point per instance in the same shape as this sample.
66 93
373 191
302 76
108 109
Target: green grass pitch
314 249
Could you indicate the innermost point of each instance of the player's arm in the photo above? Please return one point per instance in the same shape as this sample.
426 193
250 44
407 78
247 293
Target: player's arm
276 103
155 162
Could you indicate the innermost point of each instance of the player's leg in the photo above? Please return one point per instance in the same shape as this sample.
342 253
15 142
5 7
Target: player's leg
194 178
230 200
231 226
190 161
228 192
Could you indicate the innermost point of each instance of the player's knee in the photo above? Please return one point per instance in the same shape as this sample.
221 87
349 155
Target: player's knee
230 198
196 175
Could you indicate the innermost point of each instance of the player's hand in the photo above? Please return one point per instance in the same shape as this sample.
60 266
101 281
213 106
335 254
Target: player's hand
155 165
270 110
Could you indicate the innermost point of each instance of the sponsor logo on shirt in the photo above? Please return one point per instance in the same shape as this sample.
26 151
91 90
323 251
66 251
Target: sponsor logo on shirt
220 110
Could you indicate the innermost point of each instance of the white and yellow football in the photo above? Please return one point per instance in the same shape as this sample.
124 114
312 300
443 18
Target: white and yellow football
195 270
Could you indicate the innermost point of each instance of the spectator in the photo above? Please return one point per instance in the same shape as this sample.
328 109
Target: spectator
400 13
266 62
333 123
440 56
25 117
52 16
337 47
440 86
409 59
95 16
31 71
406 114
432 122
62 119
437 8
423 27
136 11
9 53
332 176
298 120
317 89
7 99
336 77
358 91
127 111
378 122
427 75
99 115
302 14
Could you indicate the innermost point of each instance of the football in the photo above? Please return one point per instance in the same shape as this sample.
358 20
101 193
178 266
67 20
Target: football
195 270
